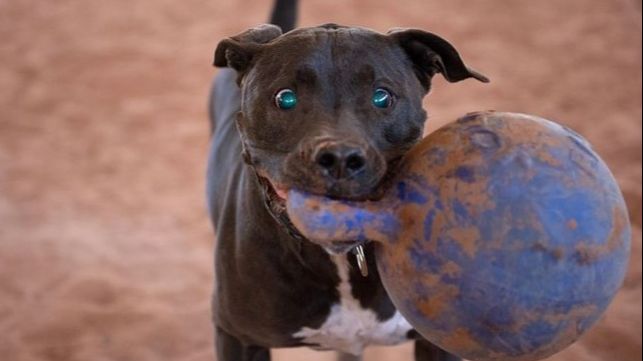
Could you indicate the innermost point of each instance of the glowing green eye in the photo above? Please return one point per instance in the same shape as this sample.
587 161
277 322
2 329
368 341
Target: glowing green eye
382 98
286 99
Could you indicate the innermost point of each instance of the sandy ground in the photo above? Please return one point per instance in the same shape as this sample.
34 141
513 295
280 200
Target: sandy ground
105 247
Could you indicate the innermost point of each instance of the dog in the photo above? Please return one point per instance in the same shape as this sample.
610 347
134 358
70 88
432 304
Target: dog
329 110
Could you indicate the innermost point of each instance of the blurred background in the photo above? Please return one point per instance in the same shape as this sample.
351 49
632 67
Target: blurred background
105 246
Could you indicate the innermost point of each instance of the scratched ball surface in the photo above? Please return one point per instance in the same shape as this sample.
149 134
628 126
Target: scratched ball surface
514 237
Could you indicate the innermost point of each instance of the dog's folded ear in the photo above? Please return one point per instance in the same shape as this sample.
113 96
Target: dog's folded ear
237 52
432 54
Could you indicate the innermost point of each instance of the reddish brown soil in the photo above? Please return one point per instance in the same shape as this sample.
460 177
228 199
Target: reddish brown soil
105 247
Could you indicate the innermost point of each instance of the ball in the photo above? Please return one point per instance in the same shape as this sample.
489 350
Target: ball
513 237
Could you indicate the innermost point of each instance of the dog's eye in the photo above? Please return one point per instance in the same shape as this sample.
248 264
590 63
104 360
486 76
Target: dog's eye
286 99
382 98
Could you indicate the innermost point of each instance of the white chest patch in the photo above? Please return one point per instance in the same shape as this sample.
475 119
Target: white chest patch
349 327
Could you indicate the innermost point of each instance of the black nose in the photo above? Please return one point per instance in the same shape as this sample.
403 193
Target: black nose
340 160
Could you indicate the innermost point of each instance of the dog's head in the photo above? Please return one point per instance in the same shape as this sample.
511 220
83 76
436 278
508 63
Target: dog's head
330 109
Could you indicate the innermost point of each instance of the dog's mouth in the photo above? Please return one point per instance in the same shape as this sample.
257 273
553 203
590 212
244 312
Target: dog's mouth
275 195
275 198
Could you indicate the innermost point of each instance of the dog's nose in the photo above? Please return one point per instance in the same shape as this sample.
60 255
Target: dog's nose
339 160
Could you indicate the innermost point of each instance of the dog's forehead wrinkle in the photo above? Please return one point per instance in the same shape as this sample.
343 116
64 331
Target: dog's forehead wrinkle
336 58
306 74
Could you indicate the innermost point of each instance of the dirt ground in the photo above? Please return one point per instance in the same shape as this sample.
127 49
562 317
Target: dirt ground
105 246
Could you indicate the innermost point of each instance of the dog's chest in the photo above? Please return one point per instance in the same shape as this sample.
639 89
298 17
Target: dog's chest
349 327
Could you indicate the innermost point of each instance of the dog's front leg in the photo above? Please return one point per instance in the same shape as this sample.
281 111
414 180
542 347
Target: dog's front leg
426 351
229 348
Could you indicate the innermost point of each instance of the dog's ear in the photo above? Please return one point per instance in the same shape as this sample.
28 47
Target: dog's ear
237 52
431 54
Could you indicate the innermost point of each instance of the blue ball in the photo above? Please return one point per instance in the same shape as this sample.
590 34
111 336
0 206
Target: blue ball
516 237
503 237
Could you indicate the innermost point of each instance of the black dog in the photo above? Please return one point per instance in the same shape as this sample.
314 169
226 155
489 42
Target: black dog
328 110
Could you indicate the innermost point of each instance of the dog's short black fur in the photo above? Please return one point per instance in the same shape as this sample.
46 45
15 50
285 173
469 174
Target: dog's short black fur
270 281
